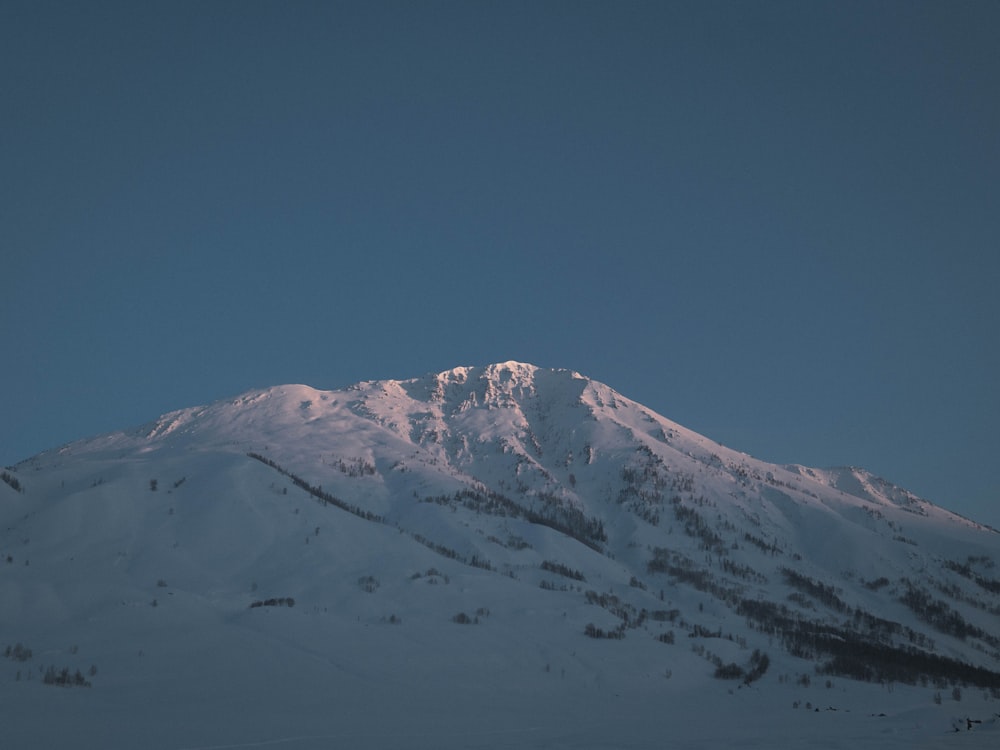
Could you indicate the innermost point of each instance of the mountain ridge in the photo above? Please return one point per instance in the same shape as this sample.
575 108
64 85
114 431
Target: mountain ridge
458 390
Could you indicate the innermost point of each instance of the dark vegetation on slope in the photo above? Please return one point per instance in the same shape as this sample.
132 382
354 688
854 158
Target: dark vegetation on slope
564 570
317 492
965 570
759 663
940 616
868 654
861 646
282 601
63 678
11 480
554 514
51 675
864 647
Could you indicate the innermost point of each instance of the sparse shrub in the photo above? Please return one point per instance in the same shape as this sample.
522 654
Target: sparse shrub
433 575
479 562
355 467
63 678
558 568
549 586
664 615
759 663
284 601
368 583
18 652
592 631
516 543
731 671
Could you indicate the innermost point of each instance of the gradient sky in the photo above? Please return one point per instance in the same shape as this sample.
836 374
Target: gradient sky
776 223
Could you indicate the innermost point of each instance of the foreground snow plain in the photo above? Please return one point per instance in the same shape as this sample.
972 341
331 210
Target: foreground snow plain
139 554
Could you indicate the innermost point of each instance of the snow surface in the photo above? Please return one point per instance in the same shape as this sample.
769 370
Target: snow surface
140 553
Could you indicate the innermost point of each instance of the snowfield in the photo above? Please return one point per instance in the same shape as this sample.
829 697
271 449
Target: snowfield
488 557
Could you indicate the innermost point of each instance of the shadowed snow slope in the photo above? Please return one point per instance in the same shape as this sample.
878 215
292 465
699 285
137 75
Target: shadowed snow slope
499 556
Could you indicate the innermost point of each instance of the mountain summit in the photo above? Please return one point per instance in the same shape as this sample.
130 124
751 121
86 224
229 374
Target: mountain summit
343 539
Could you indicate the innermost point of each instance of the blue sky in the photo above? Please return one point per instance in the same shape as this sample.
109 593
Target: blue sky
775 223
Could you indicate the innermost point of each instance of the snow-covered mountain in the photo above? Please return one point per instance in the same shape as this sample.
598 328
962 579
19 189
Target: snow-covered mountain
485 557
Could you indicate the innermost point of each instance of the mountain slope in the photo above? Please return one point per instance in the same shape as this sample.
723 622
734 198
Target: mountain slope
514 543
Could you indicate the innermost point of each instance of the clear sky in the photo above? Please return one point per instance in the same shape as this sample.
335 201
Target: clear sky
777 223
